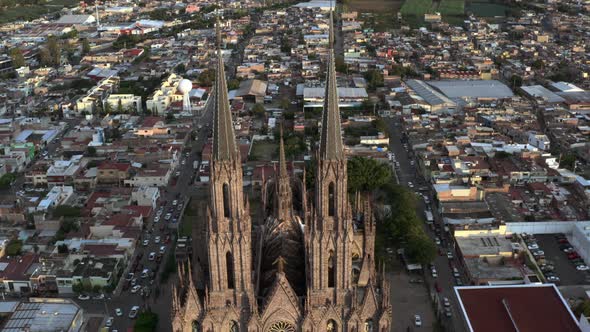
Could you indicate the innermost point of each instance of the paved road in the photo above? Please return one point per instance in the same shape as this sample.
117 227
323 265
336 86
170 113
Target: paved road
407 173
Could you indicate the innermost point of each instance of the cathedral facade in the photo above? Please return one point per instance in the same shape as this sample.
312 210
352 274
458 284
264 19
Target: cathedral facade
309 266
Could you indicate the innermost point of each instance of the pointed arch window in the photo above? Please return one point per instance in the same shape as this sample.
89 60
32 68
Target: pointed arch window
369 325
233 326
226 209
229 263
331 199
331 269
331 326
196 327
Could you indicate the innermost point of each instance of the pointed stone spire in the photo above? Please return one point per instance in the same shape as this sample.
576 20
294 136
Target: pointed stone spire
282 160
331 147
224 144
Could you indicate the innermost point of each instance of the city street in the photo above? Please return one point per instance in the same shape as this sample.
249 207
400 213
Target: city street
408 176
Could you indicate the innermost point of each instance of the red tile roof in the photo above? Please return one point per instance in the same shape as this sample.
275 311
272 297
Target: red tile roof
17 266
524 308
150 121
124 167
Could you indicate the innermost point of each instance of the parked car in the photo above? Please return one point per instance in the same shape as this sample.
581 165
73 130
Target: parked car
417 320
448 312
157 240
133 312
118 312
152 256
146 242
162 249
582 268
129 276
573 255
83 297
135 289
446 302
433 272
449 254
437 241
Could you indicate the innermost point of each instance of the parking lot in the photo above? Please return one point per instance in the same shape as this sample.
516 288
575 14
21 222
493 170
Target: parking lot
563 267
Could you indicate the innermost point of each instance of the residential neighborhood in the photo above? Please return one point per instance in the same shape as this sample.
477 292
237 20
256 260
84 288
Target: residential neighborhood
138 139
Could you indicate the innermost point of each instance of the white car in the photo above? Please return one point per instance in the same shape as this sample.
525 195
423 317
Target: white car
118 312
157 239
434 273
83 297
146 242
133 312
162 249
417 320
109 322
533 246
152 256
437 241
174 202
156 219
135 289
449 255
582 268
168 216
446 302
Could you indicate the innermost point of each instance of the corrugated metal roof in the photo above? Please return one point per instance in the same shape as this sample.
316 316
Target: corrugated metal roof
473 88
427 93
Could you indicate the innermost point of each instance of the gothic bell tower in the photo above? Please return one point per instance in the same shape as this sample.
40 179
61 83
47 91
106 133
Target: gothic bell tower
229 226
330 232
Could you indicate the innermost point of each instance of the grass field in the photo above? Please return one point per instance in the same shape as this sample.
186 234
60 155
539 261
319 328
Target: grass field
451 7
375 6
416 7
487 9
34 11
263 150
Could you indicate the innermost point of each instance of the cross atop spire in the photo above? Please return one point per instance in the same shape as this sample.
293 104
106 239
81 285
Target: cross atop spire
331 147
224 145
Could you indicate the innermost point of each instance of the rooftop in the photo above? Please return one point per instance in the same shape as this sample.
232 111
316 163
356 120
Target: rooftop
44 315
473 88
515 308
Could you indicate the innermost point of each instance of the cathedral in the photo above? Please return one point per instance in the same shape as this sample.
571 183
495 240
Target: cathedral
308 266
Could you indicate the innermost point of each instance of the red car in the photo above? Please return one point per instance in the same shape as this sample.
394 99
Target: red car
573 255
562 241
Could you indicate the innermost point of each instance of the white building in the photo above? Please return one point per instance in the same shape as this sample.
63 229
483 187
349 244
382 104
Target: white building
168 93
146 196
129 103
540 141
58 195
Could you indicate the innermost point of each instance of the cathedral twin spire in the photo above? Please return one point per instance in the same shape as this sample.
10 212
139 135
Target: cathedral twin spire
331 147
224 144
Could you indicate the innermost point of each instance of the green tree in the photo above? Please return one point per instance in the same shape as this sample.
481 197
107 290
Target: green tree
341 66
258 110
206 77
374 79
180 69
18 59
78 287
63 249
232 85
91 151
285 103
54 48
85 46
6 180
420 247
67 211
120 107
568 161
14 248
516 81
366 174
44 57
169 117
147 321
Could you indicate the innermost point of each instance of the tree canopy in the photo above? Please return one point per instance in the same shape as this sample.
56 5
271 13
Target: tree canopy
366 174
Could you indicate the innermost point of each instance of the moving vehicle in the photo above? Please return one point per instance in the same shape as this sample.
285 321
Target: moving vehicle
417 320
109 322
152 256
118 312
135 289
133 312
